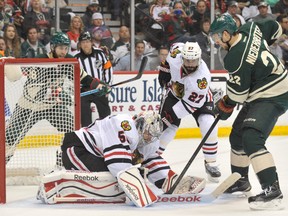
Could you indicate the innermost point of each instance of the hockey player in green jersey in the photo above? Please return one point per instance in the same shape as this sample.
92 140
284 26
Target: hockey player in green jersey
257 79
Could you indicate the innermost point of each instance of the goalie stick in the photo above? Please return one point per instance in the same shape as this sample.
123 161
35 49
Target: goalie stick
163 198
138 76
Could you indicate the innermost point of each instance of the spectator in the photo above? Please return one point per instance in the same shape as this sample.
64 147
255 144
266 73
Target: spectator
2 47
98 22
281 7
12 41
96 64
252 10
92 8
75 29
232 10
158 8
32 46
5 13
116 9
189 7
36 17
124 62
203 40
122 46
177 25
283 40
162 55
200 13
263 13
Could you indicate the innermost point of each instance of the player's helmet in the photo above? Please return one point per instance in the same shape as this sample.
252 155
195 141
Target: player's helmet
149 125
58 39
85 36
191 56
224 22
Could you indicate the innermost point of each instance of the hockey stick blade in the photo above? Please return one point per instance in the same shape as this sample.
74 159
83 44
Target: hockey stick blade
200 198
138 76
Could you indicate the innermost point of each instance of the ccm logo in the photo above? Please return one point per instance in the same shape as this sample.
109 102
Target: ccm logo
180 199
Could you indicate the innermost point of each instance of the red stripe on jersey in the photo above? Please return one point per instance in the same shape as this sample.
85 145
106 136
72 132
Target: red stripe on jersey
75 160
156 164
117 154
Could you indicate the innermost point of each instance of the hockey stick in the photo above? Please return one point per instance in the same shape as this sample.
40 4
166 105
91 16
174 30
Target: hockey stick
162 198
193 156
138 76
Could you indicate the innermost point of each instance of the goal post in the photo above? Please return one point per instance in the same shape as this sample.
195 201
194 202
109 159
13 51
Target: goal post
40 102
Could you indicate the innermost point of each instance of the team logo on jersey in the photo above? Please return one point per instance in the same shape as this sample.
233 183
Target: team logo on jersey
98 63
175 52
202 83
126 125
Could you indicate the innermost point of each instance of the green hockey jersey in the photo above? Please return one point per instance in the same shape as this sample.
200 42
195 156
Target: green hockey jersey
254 72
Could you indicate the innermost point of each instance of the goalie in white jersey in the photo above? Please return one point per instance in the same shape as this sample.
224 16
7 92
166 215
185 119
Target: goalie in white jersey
103 153
187 79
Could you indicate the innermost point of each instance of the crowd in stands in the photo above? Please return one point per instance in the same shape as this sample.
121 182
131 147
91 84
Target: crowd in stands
26 26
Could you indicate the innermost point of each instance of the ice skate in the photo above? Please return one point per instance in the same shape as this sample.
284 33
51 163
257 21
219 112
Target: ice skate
212 171
269 199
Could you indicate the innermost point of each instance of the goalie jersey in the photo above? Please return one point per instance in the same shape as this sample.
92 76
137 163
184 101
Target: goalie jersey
115 138
257 68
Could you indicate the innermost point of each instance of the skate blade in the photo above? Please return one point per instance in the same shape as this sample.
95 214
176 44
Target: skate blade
267 206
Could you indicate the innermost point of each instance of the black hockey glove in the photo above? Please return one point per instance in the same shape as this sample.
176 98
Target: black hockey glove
224 108
164 76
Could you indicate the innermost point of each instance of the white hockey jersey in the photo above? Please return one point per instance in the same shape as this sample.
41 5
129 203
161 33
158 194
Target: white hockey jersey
196 84
115 138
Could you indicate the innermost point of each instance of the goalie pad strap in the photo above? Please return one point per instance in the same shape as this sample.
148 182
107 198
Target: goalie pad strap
135 187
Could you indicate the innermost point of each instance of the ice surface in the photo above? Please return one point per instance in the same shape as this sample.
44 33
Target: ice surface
21 199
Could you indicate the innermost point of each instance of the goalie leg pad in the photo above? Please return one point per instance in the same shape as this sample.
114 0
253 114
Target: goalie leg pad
188 184
135 187
74 185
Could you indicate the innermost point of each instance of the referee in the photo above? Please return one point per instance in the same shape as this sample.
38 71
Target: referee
95 62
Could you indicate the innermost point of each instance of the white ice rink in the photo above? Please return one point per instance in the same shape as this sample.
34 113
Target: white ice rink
21 199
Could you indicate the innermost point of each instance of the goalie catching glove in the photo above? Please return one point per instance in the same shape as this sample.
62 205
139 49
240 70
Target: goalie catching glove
224 108
188 184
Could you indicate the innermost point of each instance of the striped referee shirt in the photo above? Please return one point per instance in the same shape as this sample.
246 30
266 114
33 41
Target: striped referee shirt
96 65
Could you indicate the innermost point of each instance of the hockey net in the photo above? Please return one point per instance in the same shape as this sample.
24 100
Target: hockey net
40 102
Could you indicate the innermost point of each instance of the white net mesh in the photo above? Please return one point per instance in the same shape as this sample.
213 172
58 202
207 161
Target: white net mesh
39 109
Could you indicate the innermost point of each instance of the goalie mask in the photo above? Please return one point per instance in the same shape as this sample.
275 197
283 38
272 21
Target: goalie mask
149 126
191 57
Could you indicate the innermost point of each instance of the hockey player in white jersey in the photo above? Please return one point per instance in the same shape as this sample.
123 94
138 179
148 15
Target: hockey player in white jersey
187 79
98 163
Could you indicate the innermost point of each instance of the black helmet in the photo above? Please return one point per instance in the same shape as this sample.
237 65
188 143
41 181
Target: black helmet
84 36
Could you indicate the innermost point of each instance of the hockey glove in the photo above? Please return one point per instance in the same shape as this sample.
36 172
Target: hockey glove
223 108
188 184
104 89
164 76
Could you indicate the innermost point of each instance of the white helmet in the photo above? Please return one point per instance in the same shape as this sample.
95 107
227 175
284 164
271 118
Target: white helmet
191 51
148 124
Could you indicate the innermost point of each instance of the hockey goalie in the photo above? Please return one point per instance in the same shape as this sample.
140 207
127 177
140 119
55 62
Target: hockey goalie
113 159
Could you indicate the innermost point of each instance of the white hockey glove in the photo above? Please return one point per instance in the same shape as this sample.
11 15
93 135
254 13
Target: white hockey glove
188 184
